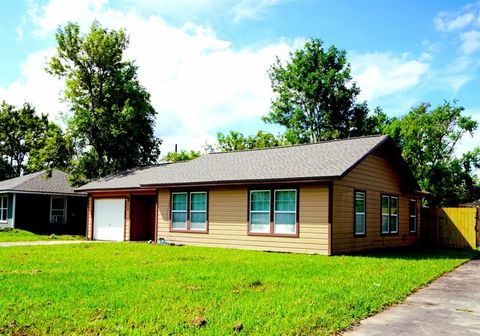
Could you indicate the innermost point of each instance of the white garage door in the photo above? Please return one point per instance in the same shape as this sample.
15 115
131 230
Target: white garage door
109 219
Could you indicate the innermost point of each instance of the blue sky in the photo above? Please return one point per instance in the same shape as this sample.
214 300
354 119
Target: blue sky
205 62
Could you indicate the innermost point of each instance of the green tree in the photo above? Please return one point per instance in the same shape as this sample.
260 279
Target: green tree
316 96
23 134
428 139
53 149
112 121
181 156
237 141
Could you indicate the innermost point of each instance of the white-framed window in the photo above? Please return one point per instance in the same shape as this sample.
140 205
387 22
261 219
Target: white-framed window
260 211
198 210
179 211
285 215
413 215
58 209
359 220
389 206
3 208
275 215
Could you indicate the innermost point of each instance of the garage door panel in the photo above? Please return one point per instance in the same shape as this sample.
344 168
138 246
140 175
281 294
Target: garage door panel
109 219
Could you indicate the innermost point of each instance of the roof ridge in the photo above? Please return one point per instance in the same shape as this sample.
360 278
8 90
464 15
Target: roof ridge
303 144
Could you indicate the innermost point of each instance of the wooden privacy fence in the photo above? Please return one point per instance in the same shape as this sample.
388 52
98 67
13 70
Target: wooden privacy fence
451 227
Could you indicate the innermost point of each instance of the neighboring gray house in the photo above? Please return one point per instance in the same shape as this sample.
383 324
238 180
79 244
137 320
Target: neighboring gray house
42 204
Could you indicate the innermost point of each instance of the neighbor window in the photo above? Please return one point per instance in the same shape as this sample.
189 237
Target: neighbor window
413 216
389 214
3 208
359 204
58 207
189 211
273 216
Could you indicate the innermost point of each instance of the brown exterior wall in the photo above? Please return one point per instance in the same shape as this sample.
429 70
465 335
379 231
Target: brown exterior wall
228 226
375 175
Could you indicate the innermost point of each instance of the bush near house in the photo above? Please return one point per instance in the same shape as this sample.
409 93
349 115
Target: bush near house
129 288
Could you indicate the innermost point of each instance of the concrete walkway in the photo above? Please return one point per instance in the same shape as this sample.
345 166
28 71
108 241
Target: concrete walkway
449 306
45 242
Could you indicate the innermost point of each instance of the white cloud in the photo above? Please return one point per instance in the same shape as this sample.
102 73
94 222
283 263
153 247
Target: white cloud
470 41
58 12
197 81
383 74
251 9
36 86
448 22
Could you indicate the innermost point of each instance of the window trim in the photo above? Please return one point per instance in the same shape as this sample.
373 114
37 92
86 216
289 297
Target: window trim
272 233
179 211
364 233
188 210
412 216
189 205
2 207
275 211
64 209
250 192
390 215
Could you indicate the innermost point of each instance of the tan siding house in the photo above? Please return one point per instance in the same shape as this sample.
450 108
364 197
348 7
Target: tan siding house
327 198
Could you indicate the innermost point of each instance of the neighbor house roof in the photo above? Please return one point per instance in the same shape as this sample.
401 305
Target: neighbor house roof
40 183
324 160
471 204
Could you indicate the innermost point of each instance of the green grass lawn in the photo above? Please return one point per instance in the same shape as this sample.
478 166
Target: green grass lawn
17 235
129 288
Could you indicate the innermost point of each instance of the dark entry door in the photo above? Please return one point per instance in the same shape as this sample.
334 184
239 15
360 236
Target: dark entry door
142 218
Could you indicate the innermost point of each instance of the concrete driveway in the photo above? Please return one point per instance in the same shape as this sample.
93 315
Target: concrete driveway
449 306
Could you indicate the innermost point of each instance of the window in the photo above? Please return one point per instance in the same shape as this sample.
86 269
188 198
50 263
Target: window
285 216
277 216
260 211
3 208
389 214
198 211
189 211
58 207
179 211
359 204
413 216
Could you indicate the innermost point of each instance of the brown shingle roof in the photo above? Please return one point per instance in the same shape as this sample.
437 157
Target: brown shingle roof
324 160
39 183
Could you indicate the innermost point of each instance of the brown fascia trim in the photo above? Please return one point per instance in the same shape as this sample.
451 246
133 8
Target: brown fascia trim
133 191
305 180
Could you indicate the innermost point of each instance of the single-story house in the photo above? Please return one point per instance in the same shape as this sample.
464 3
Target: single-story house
42 203
327 198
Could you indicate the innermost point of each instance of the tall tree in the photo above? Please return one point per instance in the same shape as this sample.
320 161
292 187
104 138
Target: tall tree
428 138
22 134
316 96
112 120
